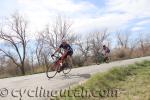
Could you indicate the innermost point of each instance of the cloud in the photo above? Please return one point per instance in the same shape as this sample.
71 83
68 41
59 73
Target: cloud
138 8
41 13
118 14
111 21
141 26
86 17
143 22
137 28
67 6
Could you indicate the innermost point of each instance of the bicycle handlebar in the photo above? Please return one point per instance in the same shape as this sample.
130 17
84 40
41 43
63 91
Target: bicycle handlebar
55 57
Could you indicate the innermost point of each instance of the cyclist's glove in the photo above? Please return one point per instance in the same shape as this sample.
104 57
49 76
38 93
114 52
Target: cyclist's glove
52 55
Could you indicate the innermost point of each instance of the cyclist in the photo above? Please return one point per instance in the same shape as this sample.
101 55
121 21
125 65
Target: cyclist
106 52
68 52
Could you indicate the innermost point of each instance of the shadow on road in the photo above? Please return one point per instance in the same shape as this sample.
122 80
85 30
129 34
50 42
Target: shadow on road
71 76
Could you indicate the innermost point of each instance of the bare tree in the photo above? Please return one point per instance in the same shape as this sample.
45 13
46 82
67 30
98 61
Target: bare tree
84 47
60 30
15 39
32 61
39 48
51 38
133 45
123 39
144 43
97 41
2 64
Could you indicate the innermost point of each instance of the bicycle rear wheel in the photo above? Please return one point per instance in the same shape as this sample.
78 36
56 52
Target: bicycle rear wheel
67 68
50 73
107 60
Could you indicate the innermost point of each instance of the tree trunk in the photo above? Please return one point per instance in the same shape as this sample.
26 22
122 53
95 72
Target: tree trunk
22 70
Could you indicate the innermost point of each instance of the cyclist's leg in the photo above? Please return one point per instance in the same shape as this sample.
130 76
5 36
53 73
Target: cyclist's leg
69 57
55 66
63 57
106 57
61 61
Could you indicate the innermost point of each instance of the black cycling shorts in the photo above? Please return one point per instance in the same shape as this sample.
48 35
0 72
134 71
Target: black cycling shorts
70 53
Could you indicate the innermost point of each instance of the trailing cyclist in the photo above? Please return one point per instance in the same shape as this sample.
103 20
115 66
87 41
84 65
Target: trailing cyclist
106 53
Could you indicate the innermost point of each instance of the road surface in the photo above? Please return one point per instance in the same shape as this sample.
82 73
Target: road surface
39 87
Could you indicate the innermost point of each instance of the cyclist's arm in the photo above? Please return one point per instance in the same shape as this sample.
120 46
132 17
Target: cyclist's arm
57 50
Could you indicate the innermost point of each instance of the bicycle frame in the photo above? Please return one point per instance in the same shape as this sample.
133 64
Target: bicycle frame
59 59
56 66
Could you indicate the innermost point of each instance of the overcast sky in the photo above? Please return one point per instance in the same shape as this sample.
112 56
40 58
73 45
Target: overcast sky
86 15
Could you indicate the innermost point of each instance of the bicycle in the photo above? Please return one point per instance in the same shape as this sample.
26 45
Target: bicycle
57 68
102 59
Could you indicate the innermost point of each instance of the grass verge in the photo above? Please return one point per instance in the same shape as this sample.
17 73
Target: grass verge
124 83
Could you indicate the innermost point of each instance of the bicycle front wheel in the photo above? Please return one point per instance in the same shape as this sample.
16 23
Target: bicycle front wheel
50 72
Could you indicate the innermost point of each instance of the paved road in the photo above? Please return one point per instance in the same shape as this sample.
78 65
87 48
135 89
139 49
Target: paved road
38 86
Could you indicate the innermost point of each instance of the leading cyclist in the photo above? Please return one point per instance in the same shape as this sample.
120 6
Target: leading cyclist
68 52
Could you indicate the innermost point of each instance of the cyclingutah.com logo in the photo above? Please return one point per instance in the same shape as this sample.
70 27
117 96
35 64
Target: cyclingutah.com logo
40 92
3 92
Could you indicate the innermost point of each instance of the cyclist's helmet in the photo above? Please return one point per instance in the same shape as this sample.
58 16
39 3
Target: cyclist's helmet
64 41
104 46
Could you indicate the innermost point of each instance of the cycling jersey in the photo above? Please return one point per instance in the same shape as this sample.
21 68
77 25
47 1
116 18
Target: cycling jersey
66 47
107 50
